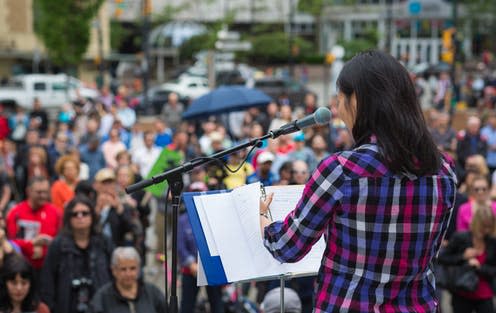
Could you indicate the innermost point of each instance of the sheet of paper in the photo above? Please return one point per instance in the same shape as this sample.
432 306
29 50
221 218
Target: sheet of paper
231 223
207 230
285 200
247 200
201 278
230 241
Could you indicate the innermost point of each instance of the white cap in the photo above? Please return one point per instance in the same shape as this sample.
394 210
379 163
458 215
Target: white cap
271 302
265 156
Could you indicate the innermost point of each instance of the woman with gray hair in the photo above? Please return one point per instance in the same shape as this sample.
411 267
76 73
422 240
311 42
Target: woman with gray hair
127 293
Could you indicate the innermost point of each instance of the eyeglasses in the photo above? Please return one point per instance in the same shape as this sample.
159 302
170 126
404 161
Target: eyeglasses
80 214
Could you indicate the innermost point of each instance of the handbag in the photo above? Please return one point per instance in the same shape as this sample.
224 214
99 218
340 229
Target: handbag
456 277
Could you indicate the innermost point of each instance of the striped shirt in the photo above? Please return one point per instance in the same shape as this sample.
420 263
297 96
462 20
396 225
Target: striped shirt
382 231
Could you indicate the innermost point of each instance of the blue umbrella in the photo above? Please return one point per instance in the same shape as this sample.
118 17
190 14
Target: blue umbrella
226 99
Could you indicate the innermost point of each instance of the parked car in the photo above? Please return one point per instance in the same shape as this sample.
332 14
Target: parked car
188 86
52 90
157 98
276 87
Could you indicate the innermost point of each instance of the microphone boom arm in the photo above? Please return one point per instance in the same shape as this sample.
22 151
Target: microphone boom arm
188 166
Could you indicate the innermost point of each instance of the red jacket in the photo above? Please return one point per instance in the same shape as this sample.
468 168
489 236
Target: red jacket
4 127
23 224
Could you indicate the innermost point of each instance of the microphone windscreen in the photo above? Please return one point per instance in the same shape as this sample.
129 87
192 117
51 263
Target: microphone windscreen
322 116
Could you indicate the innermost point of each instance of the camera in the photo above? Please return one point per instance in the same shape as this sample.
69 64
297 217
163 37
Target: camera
82 287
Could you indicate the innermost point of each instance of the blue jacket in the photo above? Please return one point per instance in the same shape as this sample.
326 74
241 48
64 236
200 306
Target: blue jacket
94 159
186 245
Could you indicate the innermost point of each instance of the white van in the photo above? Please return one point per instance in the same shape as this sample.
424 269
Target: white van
50 89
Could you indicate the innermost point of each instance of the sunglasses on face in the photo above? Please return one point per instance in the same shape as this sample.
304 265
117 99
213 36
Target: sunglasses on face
80 214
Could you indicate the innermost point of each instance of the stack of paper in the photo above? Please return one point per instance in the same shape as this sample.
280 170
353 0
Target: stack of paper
230 224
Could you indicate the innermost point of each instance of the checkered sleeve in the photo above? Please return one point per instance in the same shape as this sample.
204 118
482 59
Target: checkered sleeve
291 239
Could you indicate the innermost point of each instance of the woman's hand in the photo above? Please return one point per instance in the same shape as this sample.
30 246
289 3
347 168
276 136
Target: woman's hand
264 211
193 267
470 253
474 262
265 203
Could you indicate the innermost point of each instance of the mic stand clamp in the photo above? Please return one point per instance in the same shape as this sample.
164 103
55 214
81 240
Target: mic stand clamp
285 129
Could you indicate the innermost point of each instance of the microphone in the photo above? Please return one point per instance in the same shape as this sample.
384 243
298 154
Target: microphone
320 117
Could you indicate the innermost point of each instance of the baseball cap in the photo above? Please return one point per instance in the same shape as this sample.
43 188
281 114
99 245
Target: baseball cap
216 137
271 302
105 174
299 136
265 156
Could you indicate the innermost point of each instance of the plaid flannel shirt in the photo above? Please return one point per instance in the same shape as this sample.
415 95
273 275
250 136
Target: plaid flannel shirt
382 231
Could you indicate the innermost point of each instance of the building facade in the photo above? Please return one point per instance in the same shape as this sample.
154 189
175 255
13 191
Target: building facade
22 52
410 29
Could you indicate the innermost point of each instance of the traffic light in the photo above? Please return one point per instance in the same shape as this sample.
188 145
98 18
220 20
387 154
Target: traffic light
448 43
448 36
329 58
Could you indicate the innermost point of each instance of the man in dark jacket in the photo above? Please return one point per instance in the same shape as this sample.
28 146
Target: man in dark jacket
470 141
127 294
38 118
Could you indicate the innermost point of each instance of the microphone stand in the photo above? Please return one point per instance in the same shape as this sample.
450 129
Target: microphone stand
175 181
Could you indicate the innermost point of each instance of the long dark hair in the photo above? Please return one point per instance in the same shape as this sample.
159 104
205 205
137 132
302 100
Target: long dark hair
69 208
387 107
16 265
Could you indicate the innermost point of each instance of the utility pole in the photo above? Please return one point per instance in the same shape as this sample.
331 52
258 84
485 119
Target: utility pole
101 65
389 25
456 53
147 8
291 39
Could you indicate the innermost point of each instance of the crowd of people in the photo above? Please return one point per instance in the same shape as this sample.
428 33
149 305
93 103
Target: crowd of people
72 240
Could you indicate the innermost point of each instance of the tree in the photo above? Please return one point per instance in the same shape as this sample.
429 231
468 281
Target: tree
368 40
64 28
481 15
273 48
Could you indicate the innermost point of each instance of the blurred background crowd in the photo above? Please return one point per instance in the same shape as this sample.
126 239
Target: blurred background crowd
90 105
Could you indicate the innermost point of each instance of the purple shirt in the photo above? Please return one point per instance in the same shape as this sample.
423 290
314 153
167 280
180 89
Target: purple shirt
382 232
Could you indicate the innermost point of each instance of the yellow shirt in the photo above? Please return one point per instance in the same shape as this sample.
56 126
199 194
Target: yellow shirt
237 179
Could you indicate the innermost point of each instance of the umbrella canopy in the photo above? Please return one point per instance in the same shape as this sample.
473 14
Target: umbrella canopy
226 99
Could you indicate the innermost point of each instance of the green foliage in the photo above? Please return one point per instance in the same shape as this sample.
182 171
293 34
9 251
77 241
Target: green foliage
314 7
313 59
274 48
168 13
369 40
481 14
266 28
117 34
64 28
196 44
355 46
